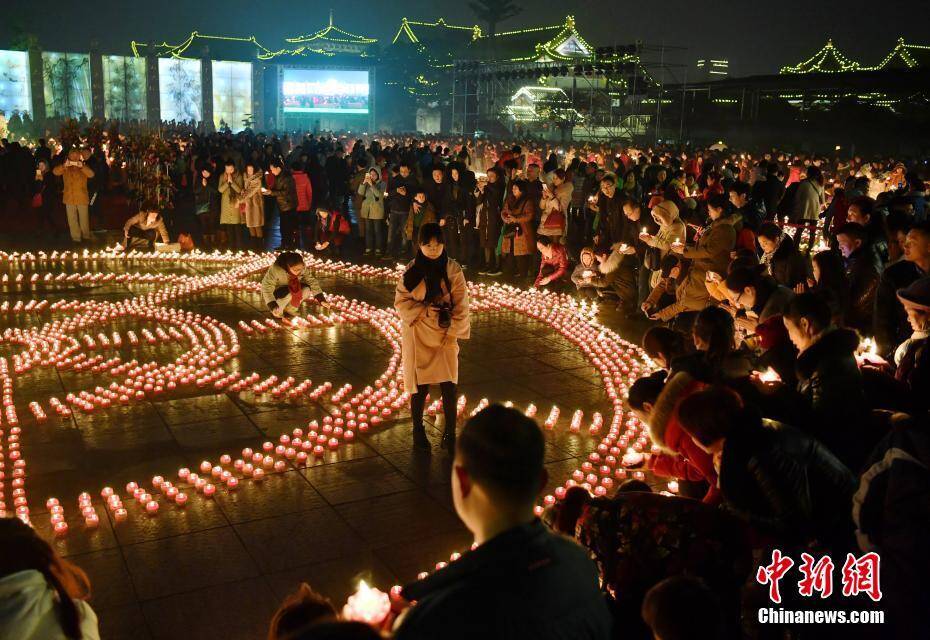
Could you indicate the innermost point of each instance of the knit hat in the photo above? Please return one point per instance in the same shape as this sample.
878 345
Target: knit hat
916 295
666 211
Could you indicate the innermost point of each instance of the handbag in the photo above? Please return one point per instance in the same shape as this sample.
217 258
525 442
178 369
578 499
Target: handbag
37 200
555 220
344 228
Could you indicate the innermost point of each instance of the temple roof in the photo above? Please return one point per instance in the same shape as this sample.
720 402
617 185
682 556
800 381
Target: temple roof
555 42
905 56
332 34
828 60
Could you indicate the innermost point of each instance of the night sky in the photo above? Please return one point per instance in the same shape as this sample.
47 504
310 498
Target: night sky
756 37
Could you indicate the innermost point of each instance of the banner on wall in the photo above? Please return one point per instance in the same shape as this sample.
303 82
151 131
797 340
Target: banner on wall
180 89
232 94
67 84
15 88
124 87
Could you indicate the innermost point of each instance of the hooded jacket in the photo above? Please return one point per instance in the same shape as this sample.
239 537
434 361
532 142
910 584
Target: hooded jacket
671 227
680 456
29 609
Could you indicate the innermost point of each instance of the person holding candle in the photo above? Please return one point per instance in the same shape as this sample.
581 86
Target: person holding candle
145 227
553 267
665 214
655 402
489 195
829 380
586 275
287 284
710 253
777 478
432 300
521 580
42 596
761 300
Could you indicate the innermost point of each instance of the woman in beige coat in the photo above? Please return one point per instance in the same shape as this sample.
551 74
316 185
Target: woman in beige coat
254 204
432 301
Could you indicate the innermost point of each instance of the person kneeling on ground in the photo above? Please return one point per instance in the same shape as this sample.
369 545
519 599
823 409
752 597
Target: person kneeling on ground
587 276
144 228
332 229
553 268
287 283
521 580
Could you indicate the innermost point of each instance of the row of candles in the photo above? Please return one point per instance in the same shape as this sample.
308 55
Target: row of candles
212 343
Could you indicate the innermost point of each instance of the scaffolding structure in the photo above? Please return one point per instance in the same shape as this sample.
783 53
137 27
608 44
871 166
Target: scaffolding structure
591 100
600 98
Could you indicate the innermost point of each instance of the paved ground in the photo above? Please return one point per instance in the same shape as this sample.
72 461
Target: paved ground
373 509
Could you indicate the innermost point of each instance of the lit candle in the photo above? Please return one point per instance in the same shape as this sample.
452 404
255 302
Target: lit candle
367 604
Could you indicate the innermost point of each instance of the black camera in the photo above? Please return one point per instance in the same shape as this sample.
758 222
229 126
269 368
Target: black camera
445 315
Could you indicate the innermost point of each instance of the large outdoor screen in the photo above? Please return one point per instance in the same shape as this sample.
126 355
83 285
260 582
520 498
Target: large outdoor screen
322 91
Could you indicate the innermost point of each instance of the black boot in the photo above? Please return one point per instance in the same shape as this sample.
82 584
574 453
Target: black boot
420 441
448 439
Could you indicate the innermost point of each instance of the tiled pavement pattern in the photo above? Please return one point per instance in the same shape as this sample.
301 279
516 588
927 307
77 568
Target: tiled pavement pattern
373 509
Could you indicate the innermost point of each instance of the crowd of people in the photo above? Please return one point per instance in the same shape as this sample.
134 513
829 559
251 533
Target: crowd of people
787 299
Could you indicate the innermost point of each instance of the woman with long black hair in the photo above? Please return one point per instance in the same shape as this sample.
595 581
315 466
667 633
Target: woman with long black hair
42 595
519 238
432 301
490 197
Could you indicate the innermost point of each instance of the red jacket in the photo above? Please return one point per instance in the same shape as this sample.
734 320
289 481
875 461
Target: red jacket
556 267
680 457
304 190
329 228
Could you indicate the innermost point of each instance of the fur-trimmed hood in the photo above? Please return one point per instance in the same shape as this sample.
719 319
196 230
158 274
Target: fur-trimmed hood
679 386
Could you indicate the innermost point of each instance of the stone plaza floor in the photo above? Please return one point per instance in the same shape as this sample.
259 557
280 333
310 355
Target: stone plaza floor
372 509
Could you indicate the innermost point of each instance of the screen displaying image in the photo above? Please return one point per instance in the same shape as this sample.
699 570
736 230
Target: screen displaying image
15 90
232 94
322 91
180 89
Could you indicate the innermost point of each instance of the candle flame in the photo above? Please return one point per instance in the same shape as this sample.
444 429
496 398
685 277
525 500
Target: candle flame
769 375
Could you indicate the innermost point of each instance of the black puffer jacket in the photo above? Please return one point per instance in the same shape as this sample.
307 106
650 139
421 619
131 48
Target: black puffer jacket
284 191
786 483
831 387
862 270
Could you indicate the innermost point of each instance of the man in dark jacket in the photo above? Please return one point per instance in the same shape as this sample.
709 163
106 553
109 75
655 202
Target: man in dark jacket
863 211
522 580
781 480
751 211
862 270
829 380
284 191
891 325
400 193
